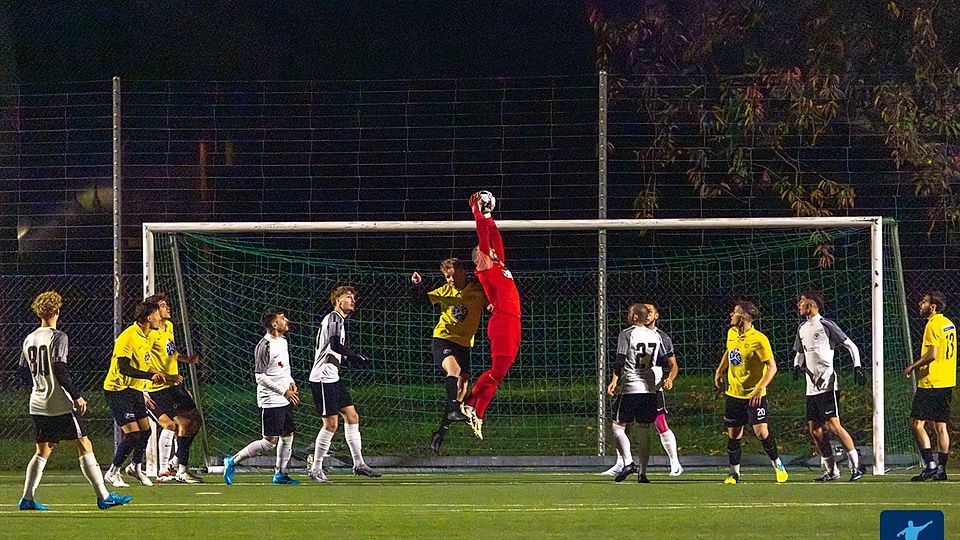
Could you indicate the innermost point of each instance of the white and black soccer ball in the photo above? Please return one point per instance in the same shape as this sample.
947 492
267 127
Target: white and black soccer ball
486 201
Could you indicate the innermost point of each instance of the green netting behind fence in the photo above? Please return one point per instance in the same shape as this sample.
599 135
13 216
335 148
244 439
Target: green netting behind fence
548 405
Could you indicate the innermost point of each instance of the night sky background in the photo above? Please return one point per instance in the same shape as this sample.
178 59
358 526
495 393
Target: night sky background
297 40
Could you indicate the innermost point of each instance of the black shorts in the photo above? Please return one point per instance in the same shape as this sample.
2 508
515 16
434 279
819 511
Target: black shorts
442 348
661 403
173 400
635 408
126 405
822 407
738 412
932 404
64 427
277 421
330 398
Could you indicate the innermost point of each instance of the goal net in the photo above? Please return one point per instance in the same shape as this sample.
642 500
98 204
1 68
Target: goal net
576 279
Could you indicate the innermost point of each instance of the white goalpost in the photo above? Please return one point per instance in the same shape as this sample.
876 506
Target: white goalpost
872 277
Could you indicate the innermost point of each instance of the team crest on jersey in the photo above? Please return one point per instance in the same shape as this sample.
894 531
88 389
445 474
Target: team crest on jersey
460 312
735 357
171 348
816 336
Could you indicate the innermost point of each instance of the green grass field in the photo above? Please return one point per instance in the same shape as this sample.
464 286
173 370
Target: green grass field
484 504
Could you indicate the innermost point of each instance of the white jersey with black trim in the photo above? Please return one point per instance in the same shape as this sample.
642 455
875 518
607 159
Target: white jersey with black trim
641 346
272 359
41 349
817 338
326 361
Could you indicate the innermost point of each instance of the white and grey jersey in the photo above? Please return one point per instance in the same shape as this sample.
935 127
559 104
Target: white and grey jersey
326 361
272 360
640 347
815 343
41 349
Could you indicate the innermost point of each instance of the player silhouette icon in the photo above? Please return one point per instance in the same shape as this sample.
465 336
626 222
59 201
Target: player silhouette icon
910 532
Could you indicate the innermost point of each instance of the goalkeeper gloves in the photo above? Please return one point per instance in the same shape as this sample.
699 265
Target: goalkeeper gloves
859 376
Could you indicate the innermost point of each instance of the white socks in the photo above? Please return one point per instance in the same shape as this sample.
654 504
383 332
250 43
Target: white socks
166 448
351 432
623 443
284 451
91 469
320 448
34 473
854 457
669 442
256 448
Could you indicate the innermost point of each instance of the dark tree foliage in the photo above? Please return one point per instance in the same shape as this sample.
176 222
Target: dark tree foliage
749 78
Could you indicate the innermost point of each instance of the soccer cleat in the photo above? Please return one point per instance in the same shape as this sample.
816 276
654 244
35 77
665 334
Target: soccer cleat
229 467
284 479
477 426
642 479
732 479
855 474
457 416
940 475
436 441
469 412
925 474
781 473
625 472
166 477
141 477
364 470
113 499
676 469
318 476
115 479
612 471
828 476
31 505
186 478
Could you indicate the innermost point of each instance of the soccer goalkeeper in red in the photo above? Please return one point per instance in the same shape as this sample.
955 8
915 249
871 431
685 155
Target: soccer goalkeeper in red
503 328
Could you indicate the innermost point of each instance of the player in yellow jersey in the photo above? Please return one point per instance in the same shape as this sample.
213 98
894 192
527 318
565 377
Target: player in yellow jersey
749 367
130 368
936 374
170 404
461 303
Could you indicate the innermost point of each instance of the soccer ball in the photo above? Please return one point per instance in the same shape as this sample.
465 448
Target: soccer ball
486 201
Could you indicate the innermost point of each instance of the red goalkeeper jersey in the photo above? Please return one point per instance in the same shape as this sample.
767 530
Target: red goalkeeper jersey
500 289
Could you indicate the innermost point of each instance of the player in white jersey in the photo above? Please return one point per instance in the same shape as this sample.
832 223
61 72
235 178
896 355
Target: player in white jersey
56 405
666 360
638 348
277 394
816 340
330 395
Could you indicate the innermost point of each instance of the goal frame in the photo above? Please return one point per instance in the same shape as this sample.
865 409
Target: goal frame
873 223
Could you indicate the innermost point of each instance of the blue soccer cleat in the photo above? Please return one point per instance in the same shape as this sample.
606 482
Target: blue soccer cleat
32 505
113 499
229 467
284 478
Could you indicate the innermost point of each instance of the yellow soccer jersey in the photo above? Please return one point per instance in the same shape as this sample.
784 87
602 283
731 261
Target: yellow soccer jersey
942 372
460 312
747 356
132 343
164 354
